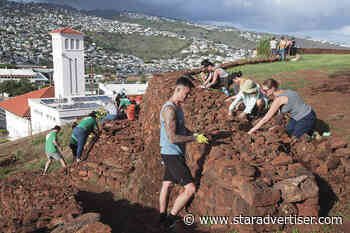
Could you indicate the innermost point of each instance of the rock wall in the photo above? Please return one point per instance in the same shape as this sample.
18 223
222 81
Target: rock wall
266 174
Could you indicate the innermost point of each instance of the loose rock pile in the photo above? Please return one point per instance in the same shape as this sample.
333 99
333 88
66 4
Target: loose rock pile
266 174
31 203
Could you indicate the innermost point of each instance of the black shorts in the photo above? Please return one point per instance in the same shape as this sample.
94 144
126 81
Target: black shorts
176 170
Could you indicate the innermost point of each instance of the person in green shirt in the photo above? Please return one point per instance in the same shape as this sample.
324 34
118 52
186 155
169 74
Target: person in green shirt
53 150
80 133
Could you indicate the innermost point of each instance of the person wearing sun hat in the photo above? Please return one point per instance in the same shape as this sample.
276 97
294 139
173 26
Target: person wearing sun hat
252 98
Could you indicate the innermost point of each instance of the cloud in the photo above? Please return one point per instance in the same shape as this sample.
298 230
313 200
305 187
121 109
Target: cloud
263 15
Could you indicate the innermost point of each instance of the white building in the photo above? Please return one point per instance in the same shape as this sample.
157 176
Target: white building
18 74
68 62
16 112
130 89
41 110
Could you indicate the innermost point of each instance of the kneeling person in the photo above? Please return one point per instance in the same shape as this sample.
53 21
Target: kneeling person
252 98
52 149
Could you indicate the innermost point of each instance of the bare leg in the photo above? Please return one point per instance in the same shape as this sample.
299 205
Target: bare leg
163 196
63 163
183 198
47 165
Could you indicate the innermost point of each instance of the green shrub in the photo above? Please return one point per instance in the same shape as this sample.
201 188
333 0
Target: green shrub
263 48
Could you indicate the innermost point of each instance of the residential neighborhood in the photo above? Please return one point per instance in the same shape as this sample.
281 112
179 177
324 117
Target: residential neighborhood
26 42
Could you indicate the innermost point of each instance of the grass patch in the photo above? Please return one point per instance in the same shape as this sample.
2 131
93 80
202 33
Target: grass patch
5 171
321 62
145 47
29 153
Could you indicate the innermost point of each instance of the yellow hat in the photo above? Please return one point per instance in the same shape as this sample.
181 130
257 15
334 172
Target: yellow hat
249 86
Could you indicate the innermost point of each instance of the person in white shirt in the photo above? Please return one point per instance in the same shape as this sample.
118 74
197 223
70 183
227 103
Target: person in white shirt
112 112
251 96
273 46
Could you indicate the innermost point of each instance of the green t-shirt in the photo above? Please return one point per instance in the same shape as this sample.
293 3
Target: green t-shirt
49 146
73 140
124 101
88 123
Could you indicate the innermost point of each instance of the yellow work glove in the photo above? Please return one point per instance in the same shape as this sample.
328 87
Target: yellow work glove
201 138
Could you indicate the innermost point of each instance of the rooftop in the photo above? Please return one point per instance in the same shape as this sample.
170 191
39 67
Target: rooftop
66 30
19 105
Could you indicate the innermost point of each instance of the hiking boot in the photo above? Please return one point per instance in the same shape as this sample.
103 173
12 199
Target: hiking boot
171 220
162 218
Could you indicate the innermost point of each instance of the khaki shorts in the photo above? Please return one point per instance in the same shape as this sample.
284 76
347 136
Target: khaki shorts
54 155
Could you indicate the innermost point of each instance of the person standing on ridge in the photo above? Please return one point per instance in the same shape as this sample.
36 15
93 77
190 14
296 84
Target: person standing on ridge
173 136
53 150
80 133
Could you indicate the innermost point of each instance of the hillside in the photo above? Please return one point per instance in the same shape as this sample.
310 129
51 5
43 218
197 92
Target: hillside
265 174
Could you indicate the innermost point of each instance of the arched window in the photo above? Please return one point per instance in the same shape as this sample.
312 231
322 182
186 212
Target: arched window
77 44
66 44
71 43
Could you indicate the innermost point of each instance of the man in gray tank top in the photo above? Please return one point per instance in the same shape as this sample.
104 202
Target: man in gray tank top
173 136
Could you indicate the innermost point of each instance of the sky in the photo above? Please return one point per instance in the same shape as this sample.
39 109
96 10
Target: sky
319 19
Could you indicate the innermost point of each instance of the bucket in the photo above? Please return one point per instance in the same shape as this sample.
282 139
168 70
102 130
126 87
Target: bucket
138 99
130 112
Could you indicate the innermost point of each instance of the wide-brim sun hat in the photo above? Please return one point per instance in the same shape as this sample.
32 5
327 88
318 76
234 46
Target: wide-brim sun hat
249 86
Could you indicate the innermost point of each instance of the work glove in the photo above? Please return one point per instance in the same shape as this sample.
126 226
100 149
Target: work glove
201 138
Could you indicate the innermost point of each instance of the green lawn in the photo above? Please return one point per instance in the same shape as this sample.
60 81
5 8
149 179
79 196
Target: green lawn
323 62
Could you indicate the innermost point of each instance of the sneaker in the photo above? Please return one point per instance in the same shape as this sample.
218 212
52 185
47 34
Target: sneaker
170 221
78 160
162 218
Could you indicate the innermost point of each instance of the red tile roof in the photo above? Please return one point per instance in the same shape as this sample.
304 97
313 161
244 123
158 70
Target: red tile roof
19 105
67 30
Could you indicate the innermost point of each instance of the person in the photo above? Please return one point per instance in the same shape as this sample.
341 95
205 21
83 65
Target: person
216 77
86 126
112 112
273 46
303 117
73 145
53 149
252 98
282 48
173 136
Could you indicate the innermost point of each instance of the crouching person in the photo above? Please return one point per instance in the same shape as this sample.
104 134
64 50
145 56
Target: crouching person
53 150
252 98
81 132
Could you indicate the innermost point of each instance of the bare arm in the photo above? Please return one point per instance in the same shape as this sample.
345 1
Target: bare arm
213 80
57 145
274 108
169 118
208 78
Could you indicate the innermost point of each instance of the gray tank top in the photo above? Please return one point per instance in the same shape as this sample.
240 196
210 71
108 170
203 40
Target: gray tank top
223 73
296 106
166 147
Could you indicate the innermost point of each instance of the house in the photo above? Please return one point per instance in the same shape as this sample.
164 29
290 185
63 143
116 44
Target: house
18 74
16 112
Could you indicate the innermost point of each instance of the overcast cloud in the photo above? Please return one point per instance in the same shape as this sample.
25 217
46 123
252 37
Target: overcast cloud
321 18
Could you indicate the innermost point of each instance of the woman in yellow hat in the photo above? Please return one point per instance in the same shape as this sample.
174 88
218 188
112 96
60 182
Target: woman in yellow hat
251 97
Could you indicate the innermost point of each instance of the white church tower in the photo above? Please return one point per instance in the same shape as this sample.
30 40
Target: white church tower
68 62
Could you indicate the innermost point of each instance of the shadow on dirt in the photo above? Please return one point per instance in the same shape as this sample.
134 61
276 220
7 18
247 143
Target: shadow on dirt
123 216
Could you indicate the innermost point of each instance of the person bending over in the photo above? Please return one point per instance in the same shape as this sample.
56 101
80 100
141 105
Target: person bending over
252 98
303 117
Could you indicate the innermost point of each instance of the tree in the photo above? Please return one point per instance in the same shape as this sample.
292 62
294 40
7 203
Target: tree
263 47
14 88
